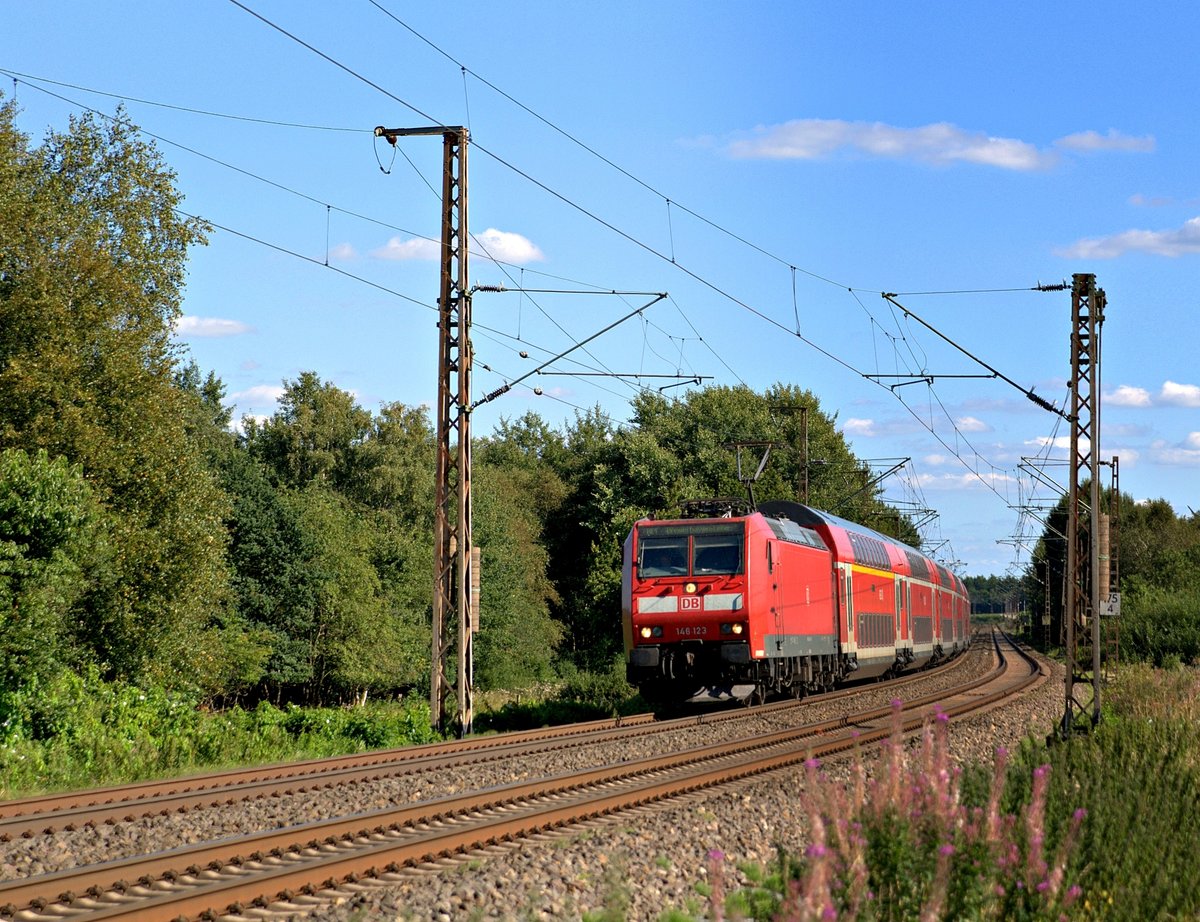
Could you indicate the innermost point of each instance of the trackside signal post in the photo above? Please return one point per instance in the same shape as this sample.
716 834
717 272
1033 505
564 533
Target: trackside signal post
454 562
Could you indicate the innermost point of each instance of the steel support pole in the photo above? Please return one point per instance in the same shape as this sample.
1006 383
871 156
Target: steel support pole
452 514
453 618
1082 606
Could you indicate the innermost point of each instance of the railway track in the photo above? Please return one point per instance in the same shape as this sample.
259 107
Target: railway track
72 810
274 869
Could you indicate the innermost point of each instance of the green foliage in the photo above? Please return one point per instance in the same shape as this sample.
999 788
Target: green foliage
90 278
517 640
77 731
312 435
995 594
52 547
1159 554
607 692
1102 826
915 841
329 543
1139 781
581 696
1161 624
347 636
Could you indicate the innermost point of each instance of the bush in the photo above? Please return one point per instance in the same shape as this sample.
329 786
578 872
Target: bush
581 696
1161 625
81 731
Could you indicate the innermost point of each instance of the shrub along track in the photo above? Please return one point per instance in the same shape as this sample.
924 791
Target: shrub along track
274 869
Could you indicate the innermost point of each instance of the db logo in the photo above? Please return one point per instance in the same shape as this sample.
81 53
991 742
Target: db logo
689 603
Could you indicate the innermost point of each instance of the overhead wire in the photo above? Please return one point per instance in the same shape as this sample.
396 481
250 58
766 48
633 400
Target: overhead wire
593 216
328 207
671 258
125 97
570 137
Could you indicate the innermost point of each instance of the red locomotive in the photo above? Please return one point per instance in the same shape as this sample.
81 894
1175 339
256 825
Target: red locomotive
782 599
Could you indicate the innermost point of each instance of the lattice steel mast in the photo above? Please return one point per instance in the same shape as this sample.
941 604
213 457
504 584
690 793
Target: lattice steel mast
454 562
1082 611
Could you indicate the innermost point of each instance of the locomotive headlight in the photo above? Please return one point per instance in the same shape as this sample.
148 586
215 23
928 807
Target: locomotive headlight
689 588
646 632
729 628
738 628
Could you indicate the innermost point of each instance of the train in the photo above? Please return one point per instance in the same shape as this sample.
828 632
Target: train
739 601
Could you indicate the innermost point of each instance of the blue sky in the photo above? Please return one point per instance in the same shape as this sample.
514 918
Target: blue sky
773 167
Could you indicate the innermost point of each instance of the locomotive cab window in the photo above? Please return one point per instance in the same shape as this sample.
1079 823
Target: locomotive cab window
663 555
716 554
690 550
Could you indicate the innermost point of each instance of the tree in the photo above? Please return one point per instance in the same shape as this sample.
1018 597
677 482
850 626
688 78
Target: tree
678 450
313 434
518 639
91 274
393 465
52 549
331 543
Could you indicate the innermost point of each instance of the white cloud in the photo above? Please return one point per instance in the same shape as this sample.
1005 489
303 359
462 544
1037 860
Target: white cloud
964 481
971 424
413 248
1150 201
197 327
1186 454
1062 441
1179 395
863 427
934 460
940 143
259 394
1129 457
1128 396
497 245
1177 242
343 252
1114 140
505 246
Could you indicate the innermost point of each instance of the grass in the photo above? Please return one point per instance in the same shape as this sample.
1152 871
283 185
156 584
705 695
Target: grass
82 732
1101 826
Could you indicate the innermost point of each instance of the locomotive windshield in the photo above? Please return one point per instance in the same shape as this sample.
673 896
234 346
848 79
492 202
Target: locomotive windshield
690 550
